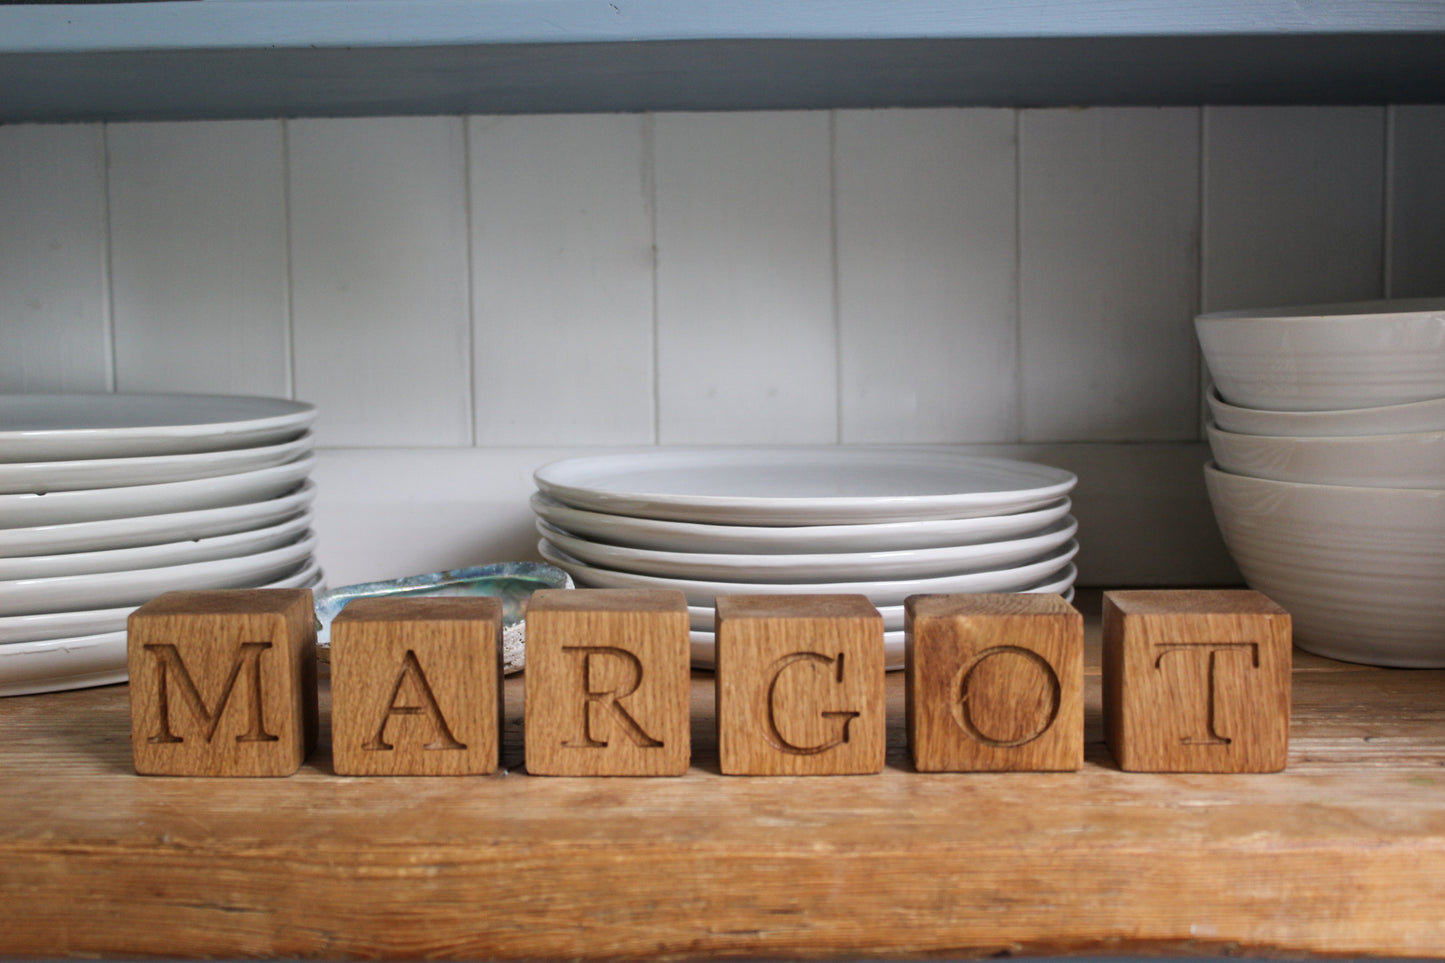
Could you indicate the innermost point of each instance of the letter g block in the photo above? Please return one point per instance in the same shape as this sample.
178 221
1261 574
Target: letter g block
1196 681
223 683
799 685
609 683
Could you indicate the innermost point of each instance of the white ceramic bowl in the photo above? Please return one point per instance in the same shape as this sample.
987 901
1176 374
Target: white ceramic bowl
1383 420
1414 460
1360 570
1327 357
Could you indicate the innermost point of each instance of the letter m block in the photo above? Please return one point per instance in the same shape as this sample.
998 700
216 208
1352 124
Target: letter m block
1196 681
223 683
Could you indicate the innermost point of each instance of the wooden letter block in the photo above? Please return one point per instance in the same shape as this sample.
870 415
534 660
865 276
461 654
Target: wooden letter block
1196 681
609 683
223 683
994 683
416 687
799 685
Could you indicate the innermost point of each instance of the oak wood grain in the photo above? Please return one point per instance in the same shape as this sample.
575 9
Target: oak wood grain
1341 853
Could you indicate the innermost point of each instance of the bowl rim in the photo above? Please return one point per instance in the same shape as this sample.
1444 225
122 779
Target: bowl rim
1337 311
1211 428
1212 468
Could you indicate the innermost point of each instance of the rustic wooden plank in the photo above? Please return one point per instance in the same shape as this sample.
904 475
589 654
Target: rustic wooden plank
1315 859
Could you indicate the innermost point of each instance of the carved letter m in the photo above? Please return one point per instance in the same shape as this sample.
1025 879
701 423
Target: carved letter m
169 664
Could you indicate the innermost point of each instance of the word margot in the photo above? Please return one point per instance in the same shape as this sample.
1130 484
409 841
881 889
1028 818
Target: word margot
223 683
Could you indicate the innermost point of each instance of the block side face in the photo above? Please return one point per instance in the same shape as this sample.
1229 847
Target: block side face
429 609
415 698
802 702
221 694
608 692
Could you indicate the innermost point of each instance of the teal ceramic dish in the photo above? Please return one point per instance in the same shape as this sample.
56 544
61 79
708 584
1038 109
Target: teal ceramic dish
512 582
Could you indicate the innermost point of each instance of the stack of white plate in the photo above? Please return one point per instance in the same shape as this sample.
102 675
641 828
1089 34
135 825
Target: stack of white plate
108 500
884 523
1329 482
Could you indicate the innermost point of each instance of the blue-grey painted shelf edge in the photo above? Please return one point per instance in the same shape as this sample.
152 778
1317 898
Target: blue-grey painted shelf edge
184 59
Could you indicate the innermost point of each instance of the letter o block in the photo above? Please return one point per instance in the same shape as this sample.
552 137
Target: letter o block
223 683
609 683
416 687
1196 681
799 685
994 682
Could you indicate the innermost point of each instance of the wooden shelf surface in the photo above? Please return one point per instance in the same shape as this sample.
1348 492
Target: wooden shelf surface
190 59
1343 853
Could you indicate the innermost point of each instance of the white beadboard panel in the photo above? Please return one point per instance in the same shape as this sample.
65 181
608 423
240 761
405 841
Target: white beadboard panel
386 513
198 257
1417 202
1108 274
54 309
1293 205
746 340
1144 517
562 279
927 275
379 274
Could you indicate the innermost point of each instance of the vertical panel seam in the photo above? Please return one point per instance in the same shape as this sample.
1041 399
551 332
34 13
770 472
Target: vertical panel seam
473 421
1387 249
290 295
838 405
1200 289
649 166
107 259
1019 428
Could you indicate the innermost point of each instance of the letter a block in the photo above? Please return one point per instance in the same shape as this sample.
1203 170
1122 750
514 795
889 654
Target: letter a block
609 683
416 687
1196 681
799 685
995 683
223 683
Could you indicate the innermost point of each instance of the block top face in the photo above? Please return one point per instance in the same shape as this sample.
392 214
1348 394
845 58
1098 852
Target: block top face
226 602
953 606
607 600
428 609
1192 602
795 607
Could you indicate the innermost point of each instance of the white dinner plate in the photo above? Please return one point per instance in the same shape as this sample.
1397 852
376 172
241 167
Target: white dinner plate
892 592
93 504
830 567
79 474
155 556
32 596
704 644
39 427
112 533
700 617
801 486
669 536
76 662
61 625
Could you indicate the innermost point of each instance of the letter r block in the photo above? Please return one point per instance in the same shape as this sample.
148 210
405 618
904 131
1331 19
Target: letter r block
1196 681
223 683
994 683
799 685
416 687
608 683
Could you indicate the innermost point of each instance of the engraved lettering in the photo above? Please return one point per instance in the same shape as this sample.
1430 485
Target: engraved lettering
776 737
411 669
169 663
1027 673
1212 651
595 664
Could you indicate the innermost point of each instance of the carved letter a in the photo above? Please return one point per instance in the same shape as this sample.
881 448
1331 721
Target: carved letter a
411 668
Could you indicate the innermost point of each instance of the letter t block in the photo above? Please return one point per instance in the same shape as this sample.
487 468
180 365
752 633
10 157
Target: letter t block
416 686
609 683
995 683
800 685
223 683
1196 681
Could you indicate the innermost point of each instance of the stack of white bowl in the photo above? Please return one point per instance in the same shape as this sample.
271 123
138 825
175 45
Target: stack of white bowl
883 523
1329 477
108 500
